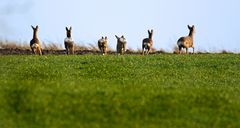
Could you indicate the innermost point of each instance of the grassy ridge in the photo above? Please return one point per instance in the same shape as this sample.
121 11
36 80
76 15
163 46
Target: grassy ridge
120 91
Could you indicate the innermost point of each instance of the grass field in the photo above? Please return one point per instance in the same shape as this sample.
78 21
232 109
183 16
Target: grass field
169 91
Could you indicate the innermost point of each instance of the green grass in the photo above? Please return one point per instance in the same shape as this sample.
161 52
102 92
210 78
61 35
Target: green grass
175 91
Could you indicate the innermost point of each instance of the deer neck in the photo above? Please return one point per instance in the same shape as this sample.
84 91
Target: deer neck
150 37
69 35
191 34
35 36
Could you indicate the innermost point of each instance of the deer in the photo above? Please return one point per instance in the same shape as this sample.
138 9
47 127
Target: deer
187 42
68 41
147 43
35 43
121 44
102 45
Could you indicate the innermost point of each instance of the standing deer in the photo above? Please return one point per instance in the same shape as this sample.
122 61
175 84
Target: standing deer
35 43
147 43
121 44
102 45
68 41
187 42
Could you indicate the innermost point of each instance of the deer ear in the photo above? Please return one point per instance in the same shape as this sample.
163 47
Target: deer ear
116 36
32 27
189 26
149 32
37 27
67 28
105 38
70 28
152 31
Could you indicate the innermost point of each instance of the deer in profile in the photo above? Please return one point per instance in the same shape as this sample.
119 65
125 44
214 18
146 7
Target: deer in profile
121 44
68 41
187 42
35 43
102 45
147 43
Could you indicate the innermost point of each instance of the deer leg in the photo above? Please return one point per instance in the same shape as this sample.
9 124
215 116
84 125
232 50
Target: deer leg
66 47
72 50
105 50
67 50
39 51
142 51
148 51
117 49
179 49
193 50
186 50
33 50
122 49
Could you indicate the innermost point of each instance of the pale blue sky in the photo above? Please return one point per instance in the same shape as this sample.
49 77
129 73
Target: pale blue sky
217 21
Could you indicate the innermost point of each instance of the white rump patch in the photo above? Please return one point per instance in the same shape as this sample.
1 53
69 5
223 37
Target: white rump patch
146 45
101 40
35 45
179 43
122 40
68 40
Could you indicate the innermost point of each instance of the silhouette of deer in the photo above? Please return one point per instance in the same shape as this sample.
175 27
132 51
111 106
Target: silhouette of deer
187 42
102 45
121 44
35 43
147 43
68 41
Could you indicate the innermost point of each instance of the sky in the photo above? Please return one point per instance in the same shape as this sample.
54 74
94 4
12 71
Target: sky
217 22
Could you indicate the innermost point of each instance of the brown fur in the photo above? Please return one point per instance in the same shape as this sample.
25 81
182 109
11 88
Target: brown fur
68 42
35 43
102 45
187 42
121 45
147 43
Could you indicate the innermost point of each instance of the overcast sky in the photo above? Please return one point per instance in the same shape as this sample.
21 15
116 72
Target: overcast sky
217 22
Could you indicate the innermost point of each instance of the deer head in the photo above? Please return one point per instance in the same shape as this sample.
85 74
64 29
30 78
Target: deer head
150 34
117 37
35 30
69 30
191 29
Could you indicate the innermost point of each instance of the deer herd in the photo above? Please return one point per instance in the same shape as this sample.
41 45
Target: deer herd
147 43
